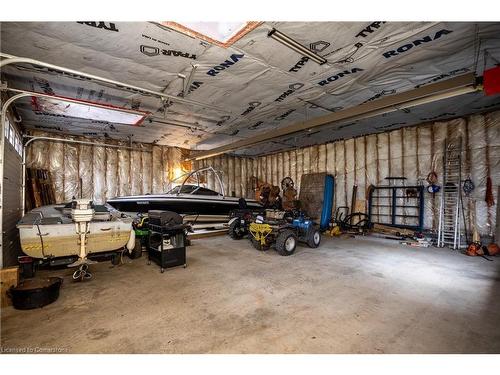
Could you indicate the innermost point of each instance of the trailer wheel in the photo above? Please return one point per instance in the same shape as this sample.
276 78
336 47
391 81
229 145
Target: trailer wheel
116 259
314 238
286 242
235 230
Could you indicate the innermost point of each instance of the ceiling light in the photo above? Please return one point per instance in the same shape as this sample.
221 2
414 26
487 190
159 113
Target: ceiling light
297 47
91 111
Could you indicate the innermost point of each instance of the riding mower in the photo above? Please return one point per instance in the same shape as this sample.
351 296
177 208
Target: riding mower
240 219
283 229
141 229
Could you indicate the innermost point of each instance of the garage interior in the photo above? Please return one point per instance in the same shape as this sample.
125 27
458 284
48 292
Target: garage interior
380 138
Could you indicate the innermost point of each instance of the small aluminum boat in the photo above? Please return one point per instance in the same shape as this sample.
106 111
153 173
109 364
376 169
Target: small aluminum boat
53 231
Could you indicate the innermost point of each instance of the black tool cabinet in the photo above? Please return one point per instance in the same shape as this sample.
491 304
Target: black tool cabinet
166 247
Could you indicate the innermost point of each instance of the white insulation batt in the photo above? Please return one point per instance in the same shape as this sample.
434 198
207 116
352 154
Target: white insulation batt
258 84
412 152
105 172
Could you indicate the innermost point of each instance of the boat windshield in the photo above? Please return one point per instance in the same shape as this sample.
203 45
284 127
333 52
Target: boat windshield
192 189
204 181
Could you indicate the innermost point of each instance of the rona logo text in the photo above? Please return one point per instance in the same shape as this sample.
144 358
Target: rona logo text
416 43
339 75
225 65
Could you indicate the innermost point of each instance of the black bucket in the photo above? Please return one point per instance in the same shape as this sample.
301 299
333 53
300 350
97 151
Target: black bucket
26 265
35 293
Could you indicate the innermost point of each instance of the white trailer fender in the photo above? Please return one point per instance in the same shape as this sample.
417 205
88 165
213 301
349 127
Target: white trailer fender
131 241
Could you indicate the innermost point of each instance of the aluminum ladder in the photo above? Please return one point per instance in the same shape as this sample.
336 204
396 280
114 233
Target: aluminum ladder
449 232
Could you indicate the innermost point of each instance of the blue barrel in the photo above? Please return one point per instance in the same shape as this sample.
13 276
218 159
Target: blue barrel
326 212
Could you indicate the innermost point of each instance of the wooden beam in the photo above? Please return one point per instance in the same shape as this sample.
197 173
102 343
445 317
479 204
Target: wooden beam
455 86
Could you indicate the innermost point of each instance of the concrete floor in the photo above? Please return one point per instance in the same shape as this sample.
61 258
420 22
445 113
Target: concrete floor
362 295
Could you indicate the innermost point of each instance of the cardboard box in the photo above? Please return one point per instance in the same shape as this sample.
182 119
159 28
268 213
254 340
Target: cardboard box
8 277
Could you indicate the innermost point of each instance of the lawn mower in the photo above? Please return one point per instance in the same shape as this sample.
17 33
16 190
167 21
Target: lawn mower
240 219
141 228
239 222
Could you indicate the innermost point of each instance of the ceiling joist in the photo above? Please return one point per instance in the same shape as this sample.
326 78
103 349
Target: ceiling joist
456 86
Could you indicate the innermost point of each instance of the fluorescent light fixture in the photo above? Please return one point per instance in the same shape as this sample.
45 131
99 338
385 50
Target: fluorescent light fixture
297 47
91 111
223 34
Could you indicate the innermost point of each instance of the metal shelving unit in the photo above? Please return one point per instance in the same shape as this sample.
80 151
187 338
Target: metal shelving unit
394 206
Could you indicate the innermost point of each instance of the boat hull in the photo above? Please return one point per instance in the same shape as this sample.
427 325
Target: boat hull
59 240
200 209
46 232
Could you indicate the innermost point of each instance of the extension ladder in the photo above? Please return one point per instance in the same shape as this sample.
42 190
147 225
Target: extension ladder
449 232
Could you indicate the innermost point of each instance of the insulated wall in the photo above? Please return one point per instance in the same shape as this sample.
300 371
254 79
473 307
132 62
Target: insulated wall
237 174
105 172
412 152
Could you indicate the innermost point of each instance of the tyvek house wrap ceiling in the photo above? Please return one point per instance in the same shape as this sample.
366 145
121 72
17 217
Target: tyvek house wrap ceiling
260 84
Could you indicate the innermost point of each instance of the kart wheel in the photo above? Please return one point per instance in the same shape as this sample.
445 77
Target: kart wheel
236 232
314 238
286 242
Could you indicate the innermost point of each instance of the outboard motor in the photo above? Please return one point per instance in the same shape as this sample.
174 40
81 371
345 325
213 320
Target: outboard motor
82 214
